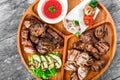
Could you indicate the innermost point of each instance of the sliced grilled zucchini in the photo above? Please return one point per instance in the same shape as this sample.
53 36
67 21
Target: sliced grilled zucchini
44 63
57 60
50 62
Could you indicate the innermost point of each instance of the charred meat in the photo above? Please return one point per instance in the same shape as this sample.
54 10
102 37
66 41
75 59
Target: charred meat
98 65
74 76
82 72
102 46
101 31
44 46
70 66
36 29
34 39
24 34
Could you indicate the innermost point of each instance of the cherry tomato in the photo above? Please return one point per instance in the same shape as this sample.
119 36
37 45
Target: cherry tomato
88 20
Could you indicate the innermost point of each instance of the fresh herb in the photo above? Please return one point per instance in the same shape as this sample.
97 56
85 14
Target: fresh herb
77 34
93 3
56 53
44 74
52 9
75 23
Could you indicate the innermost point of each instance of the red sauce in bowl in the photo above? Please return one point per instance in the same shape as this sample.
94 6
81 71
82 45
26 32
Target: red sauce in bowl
52 9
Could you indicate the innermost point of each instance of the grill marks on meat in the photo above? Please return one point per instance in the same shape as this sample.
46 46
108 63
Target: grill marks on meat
103 47
34 39
74 76
44 46
57 38
98 65
36 29
39 37
101 31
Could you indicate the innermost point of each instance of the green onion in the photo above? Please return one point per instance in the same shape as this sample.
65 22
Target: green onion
75 23
52 9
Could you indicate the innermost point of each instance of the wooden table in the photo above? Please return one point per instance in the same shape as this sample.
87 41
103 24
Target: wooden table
11 67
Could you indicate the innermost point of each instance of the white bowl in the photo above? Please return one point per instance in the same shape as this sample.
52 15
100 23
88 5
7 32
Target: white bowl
56 20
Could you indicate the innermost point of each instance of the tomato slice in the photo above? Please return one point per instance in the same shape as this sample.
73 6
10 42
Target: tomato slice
88 20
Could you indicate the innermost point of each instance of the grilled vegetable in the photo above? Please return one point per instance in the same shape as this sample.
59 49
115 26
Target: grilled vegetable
44 64
57 60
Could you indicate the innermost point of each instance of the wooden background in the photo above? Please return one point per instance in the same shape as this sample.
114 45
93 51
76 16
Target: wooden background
11 67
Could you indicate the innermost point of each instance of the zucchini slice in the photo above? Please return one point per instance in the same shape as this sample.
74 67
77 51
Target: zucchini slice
50 62
57 60
44 64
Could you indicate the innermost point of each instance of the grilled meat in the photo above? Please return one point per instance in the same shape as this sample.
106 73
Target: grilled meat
72 54
44 46
82 72
24 34
36 29
82 58
57 38
34 39
102 46
85 38
70 66
74 76
101 31
98 65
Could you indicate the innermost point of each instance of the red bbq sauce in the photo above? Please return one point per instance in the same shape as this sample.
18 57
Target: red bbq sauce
52 9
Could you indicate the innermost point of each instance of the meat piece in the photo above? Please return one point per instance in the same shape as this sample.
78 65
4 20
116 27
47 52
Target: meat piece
101 31
29 49
51 38
44 46
36 29
88 47
57 38
24 34
70 66
72 54
82 58
98 65
79 45
74 76
90 62
85 38
82 72
28 46
95 53
89 11
103 47
34 39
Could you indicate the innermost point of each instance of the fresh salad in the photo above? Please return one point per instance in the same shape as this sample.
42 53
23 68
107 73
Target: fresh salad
45 66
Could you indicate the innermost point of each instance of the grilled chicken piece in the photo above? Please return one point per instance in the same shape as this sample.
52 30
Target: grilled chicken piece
101 31
82 72
85 38
34 39
74 76
44 46
89 11
72 54
36 29
70 66
79 45
24 34
98 65
82 58
102 46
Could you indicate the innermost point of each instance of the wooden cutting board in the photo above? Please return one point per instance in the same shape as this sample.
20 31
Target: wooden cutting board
103 18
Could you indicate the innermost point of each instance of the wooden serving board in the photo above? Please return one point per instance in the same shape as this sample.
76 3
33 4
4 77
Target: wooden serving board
103 18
